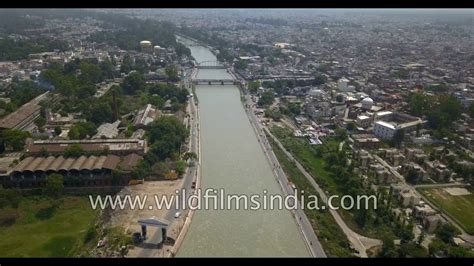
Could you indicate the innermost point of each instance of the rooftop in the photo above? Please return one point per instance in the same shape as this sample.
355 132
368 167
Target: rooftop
14 119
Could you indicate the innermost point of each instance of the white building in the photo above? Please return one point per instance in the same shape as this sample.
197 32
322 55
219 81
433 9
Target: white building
342 84
384 130
363 121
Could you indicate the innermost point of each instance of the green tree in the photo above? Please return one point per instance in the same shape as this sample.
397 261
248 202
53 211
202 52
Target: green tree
24 91
253 86
240 64
181 50
181 167
406 233
341 133
40 122
172 72
157 101
141 66
165 136
266 99
86 91
101 112
273 114
437 248
73 150
294 108
57 130
127 64
9 198
442 115
412 176
54 185
388 248
14 139
190 156
132 83
351 126
418 103
82 130
446 232
107 69
450 106
460 252
90 73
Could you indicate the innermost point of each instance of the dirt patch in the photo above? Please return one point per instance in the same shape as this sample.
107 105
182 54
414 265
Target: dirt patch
127 218
457 191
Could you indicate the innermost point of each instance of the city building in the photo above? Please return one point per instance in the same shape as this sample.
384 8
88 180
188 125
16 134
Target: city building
145 116
21 119
110 146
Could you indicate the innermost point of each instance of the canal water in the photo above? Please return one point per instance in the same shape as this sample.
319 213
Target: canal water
232 159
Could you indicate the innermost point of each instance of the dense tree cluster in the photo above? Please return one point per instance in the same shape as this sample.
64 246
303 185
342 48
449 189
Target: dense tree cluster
273 113
20 93
126 33
266 99
69 83
14 139
11 49
282 87
291 109
139 65
165 137
441 110
172 73
132 83
82 130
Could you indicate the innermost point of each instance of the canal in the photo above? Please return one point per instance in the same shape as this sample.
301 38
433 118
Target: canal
232 159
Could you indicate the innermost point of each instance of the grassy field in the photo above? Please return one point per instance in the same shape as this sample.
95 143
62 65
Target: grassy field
315 163
333 240
45 230
460 208
306 156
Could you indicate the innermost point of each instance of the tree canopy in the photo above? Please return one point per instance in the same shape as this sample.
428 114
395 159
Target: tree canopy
133 83
172 72
14 139
266 99
165 137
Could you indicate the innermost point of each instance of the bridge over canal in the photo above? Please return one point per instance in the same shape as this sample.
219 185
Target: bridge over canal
210 65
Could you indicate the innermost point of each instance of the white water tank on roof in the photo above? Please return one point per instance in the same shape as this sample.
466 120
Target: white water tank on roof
367 103
145 46
157 49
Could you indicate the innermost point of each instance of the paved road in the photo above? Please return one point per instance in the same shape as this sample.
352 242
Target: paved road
360 243
441 185
188 178
303 222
